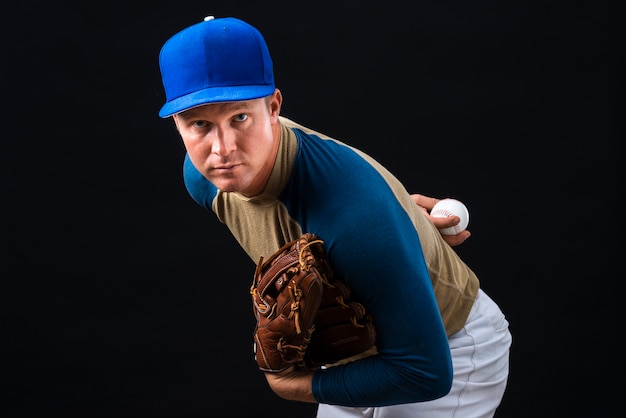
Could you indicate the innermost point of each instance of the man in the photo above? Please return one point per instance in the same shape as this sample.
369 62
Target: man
442 345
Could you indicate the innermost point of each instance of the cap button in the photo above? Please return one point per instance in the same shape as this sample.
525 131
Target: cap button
209 18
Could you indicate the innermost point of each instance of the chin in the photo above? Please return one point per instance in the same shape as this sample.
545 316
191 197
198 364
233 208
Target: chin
227 186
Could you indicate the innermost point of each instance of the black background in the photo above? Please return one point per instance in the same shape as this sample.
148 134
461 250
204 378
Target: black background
121 298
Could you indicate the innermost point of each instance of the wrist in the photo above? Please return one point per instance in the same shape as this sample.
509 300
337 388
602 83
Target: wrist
292 384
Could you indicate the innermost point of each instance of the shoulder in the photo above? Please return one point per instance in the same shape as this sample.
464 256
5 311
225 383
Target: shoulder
289 123
198 187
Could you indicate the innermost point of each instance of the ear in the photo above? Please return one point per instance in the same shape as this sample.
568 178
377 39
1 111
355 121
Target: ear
276 101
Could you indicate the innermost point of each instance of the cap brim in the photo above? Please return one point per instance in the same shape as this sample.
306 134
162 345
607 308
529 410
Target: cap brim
214 95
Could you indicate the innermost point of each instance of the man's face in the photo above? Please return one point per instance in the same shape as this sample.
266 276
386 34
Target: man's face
233 144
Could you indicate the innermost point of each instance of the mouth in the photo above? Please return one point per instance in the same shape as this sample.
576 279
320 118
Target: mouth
224 168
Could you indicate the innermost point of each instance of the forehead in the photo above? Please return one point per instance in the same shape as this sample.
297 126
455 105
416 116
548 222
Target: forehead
220 108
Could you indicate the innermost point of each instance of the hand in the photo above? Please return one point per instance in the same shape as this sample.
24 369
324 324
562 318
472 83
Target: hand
426 203
292 384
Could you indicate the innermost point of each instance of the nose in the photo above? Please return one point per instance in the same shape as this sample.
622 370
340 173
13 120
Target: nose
224 143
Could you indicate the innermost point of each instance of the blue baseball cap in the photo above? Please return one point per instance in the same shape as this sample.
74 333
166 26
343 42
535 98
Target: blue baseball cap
216 60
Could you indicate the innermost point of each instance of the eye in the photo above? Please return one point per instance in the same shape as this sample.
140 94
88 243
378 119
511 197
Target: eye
199 124
241 117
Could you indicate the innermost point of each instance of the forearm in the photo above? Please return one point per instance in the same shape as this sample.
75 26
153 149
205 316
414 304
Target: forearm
293 385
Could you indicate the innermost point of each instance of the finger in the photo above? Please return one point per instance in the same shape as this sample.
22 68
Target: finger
446 222
460 238
424 201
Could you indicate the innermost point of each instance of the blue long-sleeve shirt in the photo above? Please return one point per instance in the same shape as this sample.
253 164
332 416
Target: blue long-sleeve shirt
412 283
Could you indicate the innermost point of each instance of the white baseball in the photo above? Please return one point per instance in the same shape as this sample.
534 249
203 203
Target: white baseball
448 207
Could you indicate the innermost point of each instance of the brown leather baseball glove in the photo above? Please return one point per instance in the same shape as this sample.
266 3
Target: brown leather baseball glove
342 327
286 293
305 317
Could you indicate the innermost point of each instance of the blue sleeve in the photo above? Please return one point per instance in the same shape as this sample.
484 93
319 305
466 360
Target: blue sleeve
201 190
373 245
